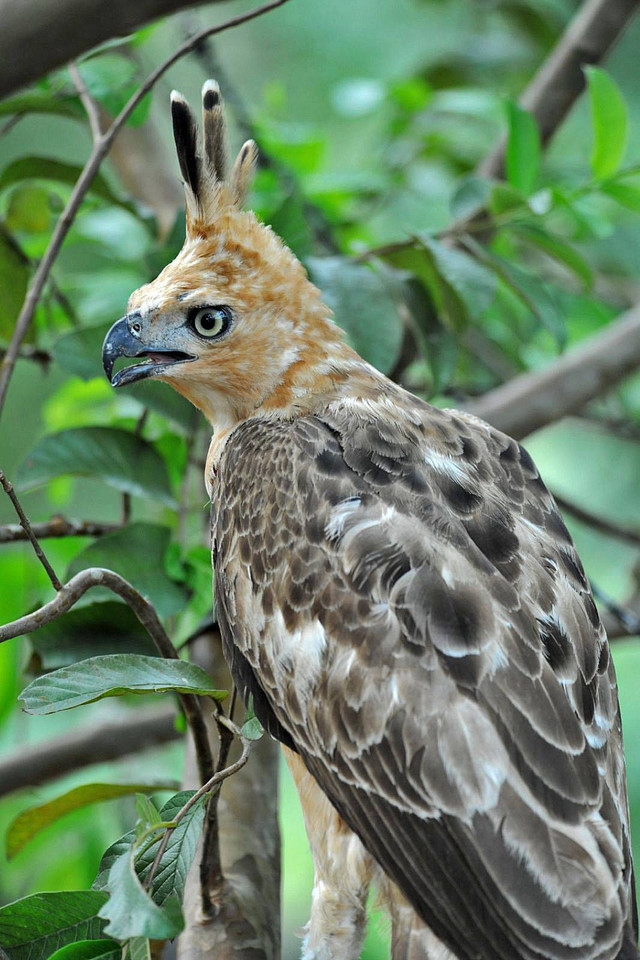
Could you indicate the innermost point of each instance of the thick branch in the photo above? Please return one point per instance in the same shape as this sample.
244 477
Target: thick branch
533 400
246 925
70 593
55 33
560 80
30 766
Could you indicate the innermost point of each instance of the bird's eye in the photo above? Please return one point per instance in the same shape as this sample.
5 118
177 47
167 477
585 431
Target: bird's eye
210 321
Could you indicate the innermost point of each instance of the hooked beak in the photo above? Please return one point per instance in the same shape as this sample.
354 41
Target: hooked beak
121 342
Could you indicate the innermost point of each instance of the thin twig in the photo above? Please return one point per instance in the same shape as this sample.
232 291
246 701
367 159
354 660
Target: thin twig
609 527
55 528
627 617
98 153
210 863
89 104
56 293
126 497
70 593
218 777
29 534
43 357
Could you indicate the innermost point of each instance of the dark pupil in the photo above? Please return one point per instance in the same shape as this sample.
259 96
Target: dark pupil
208 321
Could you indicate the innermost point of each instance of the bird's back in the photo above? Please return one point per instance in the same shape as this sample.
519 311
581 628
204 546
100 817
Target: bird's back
399 593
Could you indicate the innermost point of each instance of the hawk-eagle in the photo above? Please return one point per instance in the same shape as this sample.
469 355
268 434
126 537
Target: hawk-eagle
398 594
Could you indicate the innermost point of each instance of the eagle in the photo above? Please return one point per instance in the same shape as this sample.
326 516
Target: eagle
399 596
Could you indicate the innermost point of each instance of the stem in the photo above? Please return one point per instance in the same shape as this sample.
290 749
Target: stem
70 593
218 777
28 530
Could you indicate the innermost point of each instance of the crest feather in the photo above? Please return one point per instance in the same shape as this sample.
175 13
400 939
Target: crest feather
185 134
214 130
204 174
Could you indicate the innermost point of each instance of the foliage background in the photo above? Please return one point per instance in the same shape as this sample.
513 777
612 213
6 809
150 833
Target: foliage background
372 116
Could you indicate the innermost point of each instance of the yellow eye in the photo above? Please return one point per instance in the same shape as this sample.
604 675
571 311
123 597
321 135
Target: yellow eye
210 321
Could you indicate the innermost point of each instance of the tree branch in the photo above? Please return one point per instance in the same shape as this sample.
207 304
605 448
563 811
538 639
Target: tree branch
28 531
533 400
560 80
55 33
607 527
31 766
246 922
90 106
100 149
221 774
57 527
70 593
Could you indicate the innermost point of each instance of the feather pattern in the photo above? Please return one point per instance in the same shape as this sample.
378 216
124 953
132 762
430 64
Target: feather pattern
399 595
412 608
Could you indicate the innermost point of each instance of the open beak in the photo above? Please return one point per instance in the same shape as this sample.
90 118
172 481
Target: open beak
120 342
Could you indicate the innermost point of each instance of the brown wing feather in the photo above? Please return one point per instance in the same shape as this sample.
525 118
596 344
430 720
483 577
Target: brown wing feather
409 606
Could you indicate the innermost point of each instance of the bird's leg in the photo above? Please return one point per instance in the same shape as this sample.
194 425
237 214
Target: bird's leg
411 938
343 872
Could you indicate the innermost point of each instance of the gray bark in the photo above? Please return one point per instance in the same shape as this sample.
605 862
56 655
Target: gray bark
37 36
117 738
560 80
247 923
533 400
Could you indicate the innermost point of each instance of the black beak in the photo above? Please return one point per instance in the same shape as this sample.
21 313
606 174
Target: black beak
120 342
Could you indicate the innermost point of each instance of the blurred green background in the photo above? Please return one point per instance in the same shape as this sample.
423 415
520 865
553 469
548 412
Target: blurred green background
372 117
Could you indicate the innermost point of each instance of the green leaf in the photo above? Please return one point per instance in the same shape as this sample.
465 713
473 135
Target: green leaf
89 631
289 222
113 676
14 276
459 286
365 304
89 950
560 250
505 199
442 358
536 297
623 193
471 281
31 822
29 209
122 460
252 729
137 552
35 927
130 910
522 159
111 79
46 168
172 870
471 196
609 118
138 948
35 101
148 813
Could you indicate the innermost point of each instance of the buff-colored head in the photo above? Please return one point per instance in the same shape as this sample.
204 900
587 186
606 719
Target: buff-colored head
233 322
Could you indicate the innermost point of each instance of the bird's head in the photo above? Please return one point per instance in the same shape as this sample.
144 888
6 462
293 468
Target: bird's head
233 323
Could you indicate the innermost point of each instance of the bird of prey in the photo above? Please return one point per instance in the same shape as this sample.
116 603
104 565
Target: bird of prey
398 594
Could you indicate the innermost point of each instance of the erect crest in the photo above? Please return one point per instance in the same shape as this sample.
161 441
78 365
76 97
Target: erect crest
204 171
